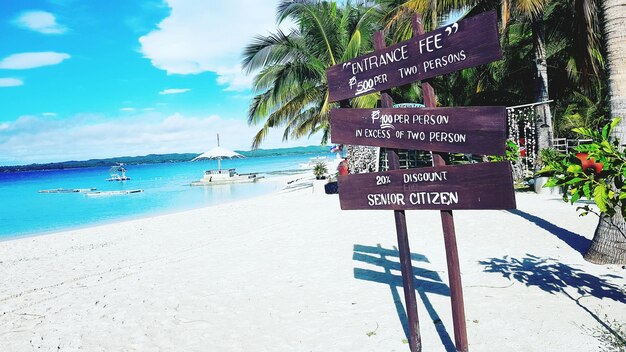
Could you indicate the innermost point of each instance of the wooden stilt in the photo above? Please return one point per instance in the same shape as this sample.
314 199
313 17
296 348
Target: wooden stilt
406 266
449 234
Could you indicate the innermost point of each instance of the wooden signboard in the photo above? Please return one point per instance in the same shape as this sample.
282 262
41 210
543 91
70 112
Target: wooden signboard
468 43
450 187
478 130
475 130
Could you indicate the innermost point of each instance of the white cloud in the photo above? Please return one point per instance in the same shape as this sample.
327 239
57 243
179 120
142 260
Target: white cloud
127 109
40 21
197 38
10 82
174 91
35 139
234 78
49 114
24 61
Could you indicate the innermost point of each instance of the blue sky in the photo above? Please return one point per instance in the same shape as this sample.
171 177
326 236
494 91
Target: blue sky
93 79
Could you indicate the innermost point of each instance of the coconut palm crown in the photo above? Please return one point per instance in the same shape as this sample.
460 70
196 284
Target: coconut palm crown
290 83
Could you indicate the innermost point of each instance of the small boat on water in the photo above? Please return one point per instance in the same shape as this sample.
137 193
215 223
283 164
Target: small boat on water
118 173
223 176
113 193
67 190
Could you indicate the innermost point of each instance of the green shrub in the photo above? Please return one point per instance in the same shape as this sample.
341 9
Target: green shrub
595 171
320 170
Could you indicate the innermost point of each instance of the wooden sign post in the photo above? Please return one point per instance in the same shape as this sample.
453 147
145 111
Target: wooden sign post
449 232
404 252
477 130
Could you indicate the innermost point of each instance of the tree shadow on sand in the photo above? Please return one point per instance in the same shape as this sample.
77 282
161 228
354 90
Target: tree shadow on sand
426 281
577 242
554 277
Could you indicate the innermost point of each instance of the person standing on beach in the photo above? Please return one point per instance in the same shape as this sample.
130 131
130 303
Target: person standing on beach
343 167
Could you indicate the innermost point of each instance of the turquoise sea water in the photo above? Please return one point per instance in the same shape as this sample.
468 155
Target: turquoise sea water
24 211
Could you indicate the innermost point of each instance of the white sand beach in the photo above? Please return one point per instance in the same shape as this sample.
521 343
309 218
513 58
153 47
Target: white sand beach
292 272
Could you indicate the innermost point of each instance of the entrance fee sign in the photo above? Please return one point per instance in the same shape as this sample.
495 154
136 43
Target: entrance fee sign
450 187
468 43
475 130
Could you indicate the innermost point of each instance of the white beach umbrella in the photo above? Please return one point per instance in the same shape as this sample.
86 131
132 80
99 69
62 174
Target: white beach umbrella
218 153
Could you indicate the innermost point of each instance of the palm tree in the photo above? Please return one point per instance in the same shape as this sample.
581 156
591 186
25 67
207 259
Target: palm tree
574 51
608 241
559 29
291 86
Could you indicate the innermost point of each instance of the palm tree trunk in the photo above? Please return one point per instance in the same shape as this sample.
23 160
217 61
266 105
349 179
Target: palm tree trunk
609 241
544 115
614 29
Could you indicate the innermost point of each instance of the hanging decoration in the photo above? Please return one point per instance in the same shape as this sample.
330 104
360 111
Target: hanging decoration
362 158
522 129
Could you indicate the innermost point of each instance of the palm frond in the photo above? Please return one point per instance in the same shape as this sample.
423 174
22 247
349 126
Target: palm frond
266 50
291 67
530 8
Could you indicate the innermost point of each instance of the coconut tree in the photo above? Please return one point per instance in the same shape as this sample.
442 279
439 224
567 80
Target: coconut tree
561 30
571 27
291 86
608 244
567 33
530 10
574 26
610 235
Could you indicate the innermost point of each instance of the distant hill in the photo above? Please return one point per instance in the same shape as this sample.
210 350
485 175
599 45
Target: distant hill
314 149
157 159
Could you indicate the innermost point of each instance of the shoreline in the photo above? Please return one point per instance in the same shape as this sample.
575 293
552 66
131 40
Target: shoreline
290 271
279 179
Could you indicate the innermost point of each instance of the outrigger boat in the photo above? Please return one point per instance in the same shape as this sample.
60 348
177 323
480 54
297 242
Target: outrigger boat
113 193
215 177
219 176
67 190
118 173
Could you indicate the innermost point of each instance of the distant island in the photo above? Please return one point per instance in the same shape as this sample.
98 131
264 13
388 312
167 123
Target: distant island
157 159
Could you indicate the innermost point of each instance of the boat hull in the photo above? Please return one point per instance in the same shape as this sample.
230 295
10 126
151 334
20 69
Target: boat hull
113 193
224 181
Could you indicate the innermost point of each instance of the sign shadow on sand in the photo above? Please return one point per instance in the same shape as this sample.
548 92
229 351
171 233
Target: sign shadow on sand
426 281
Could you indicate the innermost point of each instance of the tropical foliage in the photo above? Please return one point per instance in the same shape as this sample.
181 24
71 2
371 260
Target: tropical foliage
597 172
291 79
555 44
572 57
